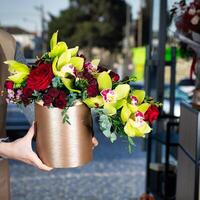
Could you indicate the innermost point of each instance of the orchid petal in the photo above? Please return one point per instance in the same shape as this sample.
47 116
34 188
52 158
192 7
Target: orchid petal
18 78
132 108
15 67
94 102
58 49
54 66
77 62
53 40
73 51
109 109
139 94
69 84
122 91
119 104
104 81
143 107
142 130
125 113
129 129
63 59
95 62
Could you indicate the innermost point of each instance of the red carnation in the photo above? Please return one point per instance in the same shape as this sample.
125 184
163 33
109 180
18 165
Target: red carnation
92 90
47 100
27 92
9 85
40 77
60 102
53 92
151 114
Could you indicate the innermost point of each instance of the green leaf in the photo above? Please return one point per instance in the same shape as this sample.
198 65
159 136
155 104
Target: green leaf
113 137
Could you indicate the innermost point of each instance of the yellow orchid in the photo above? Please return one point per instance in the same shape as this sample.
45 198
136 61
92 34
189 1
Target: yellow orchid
18 70
111 100
132 115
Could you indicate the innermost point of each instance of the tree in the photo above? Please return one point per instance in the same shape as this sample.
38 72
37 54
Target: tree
91 23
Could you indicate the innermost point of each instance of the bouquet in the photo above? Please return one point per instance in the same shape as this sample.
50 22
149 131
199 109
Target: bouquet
62 77
187 21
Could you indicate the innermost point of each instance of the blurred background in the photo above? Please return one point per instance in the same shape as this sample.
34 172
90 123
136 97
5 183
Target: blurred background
120 33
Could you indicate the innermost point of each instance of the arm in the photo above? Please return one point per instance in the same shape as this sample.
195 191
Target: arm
21 150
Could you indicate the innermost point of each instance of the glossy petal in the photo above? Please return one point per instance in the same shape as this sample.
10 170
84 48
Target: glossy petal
104 81
73 51
69 84
53 40
77 62
18 78
119 103
142 130
129 129
132 108
122 91
54 66
63 59
143 107
132 130
95 62
110 110
94 102
58 49
125 113
139 94
15 67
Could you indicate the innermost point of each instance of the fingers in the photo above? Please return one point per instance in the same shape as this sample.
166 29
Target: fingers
94 142
38 163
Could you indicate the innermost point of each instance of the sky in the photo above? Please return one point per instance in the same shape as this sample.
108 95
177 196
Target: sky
23 13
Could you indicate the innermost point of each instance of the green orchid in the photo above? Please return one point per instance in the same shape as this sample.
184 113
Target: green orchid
58 48
111 100
18 70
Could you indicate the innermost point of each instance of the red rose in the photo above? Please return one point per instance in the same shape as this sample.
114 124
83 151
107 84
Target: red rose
27 92
9 85
40 77
60 103
53 92
151 114
47 100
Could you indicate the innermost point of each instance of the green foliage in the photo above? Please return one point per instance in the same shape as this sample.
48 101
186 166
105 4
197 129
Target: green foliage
57 83
91 23
37 95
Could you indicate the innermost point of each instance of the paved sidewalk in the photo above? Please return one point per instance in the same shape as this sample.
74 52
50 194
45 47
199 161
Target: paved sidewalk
113 175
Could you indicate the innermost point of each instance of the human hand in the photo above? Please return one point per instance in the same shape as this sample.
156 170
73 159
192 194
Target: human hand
21 149
94 142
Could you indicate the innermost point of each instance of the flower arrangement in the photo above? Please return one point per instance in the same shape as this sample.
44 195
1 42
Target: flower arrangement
187 17
61 77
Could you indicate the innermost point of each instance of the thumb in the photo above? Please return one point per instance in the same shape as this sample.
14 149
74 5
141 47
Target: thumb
31 131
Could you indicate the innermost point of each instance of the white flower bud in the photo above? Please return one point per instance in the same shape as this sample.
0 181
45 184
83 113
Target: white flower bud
192 11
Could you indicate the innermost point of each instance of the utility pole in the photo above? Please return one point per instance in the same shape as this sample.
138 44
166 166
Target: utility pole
43 28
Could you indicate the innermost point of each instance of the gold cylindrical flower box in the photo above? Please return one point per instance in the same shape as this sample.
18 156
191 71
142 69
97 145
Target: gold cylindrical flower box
64 145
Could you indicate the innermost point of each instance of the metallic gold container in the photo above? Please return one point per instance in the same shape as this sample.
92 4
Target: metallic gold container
63 145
